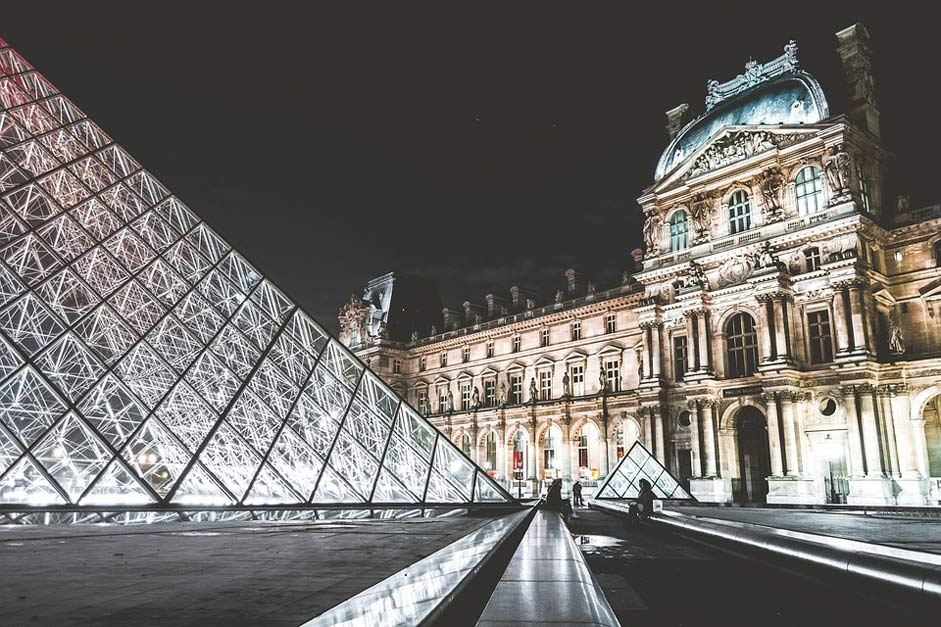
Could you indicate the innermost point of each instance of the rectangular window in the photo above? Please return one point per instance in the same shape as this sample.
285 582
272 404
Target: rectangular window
679 357
422 398
489 349
583 451
545 385
576 331
465 396
864 198
544 338
612 369
422 363
517 343
490 393
516 389
442 399
611 323
396 366
578 379
812 258
444 359
465 354
821 340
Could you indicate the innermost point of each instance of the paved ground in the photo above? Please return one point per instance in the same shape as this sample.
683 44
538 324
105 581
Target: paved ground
205 573
917 534
653 577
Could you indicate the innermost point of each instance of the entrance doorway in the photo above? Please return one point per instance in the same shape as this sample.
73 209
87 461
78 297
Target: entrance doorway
754 460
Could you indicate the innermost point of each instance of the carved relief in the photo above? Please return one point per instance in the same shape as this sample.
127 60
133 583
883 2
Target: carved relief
738 146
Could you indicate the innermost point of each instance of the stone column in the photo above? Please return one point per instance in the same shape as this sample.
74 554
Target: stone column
790 433
705 359
709 436
853 437
767 350
904 431
565 449
475 448
645 345
647 417
781 339
870 431
501 460
655 350
533 475
920 444
692 358
840 319
693 407
774 439
856 313
887 431
659 434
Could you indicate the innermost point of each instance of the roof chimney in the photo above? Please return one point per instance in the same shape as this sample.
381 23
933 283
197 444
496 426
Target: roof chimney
856 57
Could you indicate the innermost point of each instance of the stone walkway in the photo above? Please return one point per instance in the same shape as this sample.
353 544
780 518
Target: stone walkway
206 573
915 534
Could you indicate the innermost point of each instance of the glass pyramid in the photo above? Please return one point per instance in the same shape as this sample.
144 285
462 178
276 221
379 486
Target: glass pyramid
144 361
624 481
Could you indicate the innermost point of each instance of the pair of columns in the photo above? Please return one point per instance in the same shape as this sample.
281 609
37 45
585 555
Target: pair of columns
883 422
854 332
705 459
651 348
776 326
783 432
698 355
654 432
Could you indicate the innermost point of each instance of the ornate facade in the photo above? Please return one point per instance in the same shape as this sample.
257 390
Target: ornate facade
778 340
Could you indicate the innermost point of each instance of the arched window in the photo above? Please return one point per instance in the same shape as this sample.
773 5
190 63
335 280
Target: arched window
742 344
679 231
739 212
491 461
812 258
808 187
465 444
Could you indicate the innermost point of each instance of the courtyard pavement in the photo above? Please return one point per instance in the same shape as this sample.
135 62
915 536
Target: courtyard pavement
237 573
905 532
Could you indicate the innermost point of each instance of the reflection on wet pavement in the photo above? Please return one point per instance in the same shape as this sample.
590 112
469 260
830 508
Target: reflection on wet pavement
607 547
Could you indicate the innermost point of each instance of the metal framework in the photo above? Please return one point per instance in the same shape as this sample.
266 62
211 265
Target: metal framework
144 362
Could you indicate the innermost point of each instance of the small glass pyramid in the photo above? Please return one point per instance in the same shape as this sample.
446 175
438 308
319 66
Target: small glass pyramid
624 481
144 361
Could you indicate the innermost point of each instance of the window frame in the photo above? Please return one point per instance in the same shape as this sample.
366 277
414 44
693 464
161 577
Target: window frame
490 348
465 354
516 389
808 192
576 330
820 345
614 381
544 337
742 357
680 356
611 322
739 209
517 343
578 386
812 259
545 384
679 230
444 359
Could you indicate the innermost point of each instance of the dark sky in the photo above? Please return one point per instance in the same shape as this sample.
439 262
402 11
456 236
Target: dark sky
484 144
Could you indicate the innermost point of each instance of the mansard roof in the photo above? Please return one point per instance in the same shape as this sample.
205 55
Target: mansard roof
777 92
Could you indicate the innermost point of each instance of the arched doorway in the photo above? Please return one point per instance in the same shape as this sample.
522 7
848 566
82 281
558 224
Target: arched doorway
932 417
754 459
627 433
588 452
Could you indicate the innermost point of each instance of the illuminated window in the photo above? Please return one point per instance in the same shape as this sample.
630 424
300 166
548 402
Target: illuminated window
679 231
516 389
443 399
864 197
739 212
545 385
742 345
821 340
548 452
576 331
465 396
583 451
491 462
808 188
490 393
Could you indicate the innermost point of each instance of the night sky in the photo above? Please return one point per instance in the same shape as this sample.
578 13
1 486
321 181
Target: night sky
484 145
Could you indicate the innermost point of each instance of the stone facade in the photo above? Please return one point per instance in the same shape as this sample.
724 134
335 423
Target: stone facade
780 339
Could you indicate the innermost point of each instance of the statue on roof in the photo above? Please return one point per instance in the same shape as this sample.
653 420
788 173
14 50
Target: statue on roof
790 56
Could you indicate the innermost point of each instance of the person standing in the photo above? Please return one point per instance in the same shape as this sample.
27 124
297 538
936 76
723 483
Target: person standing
577 494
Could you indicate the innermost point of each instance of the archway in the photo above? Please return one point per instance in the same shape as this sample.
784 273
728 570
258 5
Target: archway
932 417
551 452
519 462
588 454
627 433
754 458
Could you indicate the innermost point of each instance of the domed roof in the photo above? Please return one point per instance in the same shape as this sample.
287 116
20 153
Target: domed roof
776 93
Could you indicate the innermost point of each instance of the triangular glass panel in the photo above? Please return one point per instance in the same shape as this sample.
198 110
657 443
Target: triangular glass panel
115 298
25 484
117 486
638 464
270 489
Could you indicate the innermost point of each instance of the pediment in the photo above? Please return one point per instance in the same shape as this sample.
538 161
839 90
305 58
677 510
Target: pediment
610 347
515 366
544 362
441 379
464 375
488 372
576 356
931 291
733 144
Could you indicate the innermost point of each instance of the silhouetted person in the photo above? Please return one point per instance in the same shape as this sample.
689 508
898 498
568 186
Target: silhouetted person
642 507
555 502
577 494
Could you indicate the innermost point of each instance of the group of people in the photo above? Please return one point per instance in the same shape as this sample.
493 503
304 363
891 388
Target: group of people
640 509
